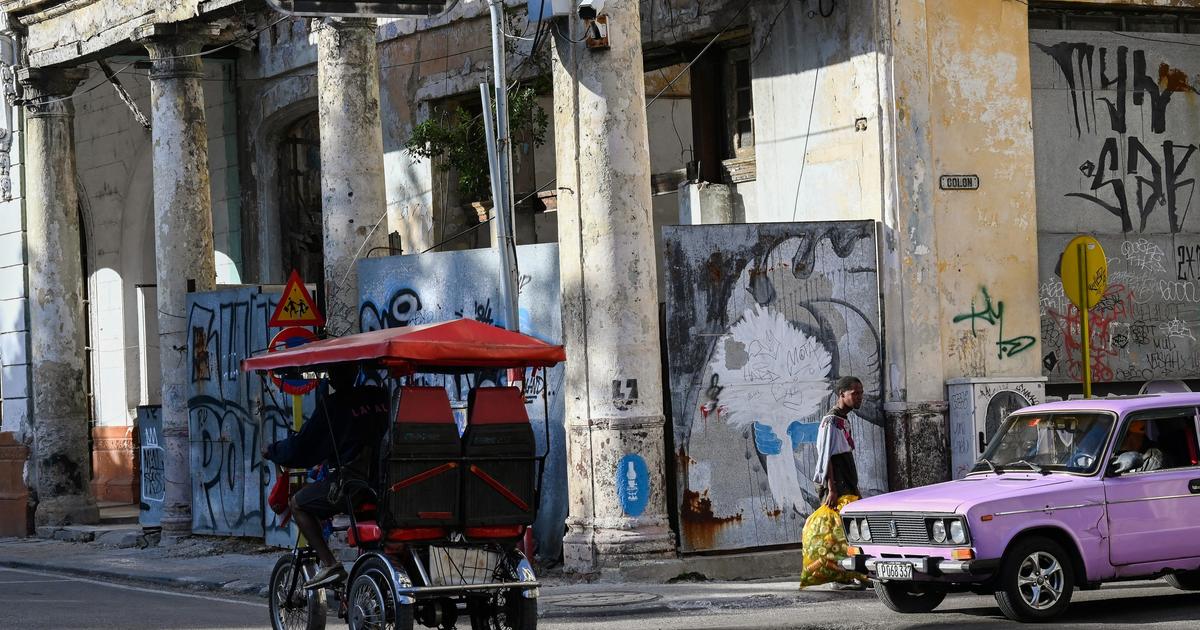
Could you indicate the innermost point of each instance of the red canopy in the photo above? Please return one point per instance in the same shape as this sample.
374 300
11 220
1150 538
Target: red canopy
458 343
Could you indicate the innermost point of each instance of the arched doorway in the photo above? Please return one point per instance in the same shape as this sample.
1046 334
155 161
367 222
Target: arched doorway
300 198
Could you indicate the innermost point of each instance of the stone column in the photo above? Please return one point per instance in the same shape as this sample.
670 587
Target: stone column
613 386
57 323
183 237
353 198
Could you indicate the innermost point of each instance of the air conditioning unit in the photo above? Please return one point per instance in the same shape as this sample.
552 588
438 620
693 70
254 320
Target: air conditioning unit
977 408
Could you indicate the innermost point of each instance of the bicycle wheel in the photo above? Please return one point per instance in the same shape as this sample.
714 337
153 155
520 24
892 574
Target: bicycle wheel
292 607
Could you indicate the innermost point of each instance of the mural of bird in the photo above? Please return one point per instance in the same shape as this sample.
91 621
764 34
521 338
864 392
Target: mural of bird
772 375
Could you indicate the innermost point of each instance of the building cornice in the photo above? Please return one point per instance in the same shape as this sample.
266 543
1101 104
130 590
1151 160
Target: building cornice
26 12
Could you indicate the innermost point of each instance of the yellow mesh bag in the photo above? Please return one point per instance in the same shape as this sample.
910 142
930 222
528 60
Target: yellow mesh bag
825 544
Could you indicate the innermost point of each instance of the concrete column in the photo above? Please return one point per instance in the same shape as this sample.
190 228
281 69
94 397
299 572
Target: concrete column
353 200
613 383
60 425
183 237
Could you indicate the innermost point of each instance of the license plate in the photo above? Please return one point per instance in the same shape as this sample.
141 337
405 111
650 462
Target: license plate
894 570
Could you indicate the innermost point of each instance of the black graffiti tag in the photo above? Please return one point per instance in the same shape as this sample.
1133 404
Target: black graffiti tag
1131 176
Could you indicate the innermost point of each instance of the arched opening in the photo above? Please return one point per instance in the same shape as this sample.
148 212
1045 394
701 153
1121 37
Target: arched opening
300 198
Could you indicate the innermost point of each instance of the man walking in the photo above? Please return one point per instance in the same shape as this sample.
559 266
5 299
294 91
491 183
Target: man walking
835 473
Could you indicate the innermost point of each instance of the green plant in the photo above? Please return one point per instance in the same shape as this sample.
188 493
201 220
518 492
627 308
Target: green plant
453 138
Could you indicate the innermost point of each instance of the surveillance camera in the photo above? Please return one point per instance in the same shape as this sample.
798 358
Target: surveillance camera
589 9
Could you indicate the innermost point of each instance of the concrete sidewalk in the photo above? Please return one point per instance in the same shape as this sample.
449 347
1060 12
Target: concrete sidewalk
237 567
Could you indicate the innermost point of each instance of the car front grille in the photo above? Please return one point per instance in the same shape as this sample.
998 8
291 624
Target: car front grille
904 529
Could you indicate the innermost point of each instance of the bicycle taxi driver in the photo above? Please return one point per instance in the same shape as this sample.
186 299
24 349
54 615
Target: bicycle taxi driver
355 417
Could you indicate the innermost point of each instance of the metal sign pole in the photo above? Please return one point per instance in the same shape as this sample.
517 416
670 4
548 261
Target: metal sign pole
500 152
1085 313
508 267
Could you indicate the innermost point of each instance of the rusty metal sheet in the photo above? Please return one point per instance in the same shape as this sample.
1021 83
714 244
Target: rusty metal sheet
761 320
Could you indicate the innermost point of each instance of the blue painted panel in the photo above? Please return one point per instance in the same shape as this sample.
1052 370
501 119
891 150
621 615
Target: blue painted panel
152 464
633 484
420 289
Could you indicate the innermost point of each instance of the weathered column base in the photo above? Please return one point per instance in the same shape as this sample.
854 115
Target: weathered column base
918 438
588 548
71 509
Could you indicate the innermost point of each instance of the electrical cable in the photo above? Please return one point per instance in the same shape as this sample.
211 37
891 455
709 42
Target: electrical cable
807 134
701 53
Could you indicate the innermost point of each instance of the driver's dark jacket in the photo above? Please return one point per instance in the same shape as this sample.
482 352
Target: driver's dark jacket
360 418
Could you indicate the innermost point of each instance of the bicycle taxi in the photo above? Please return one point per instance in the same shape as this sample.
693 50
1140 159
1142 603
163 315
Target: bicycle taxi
438 537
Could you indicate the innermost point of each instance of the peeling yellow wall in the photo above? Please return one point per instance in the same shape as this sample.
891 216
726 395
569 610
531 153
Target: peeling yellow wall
980 123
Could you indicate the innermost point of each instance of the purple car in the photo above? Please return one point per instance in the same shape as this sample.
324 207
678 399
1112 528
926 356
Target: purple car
1067 495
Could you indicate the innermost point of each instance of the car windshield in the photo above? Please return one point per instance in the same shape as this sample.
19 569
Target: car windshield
1050 442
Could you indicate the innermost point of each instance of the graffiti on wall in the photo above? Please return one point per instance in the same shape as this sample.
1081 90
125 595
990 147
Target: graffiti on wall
231 414
421 289
1117 131
1134 170
984 311
152 465
1143 328
761 320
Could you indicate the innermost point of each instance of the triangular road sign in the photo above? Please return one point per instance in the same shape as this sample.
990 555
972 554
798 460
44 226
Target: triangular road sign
296 307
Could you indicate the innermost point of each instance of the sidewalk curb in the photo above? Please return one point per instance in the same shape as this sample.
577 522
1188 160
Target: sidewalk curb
157 580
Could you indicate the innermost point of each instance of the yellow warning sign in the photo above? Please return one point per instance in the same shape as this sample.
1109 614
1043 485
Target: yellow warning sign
296 307
1084 272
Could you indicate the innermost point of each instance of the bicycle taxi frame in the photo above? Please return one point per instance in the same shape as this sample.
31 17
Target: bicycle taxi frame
441 535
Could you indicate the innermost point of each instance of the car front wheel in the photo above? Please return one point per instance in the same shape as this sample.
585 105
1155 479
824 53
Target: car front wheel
909 597
1185 580
1036 580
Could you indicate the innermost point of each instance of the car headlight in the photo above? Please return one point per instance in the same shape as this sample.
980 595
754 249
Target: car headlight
852 530
939 531
958 533
865 529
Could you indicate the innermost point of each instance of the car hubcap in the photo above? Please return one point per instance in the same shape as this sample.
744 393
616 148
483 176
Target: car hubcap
1040 580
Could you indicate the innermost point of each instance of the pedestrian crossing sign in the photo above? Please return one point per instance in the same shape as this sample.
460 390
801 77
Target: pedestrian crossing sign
296 306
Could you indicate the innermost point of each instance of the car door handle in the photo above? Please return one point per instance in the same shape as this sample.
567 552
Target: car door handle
1194 486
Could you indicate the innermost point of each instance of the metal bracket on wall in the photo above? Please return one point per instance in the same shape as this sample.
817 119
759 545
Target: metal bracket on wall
597 33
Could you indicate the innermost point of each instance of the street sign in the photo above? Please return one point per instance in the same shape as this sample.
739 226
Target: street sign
958 182
350 8
296 306
290 338
1093 282
1084 272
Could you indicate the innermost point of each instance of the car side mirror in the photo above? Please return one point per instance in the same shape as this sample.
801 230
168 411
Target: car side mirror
1125 462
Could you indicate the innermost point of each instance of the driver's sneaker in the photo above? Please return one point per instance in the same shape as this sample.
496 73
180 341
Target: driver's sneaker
327 576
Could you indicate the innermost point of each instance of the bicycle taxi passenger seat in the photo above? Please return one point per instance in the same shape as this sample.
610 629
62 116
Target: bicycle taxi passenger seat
422 490
500 496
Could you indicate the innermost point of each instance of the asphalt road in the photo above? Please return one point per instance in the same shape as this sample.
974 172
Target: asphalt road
38 600
1141 605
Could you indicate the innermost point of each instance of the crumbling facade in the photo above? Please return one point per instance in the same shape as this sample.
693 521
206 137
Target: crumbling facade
157 151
